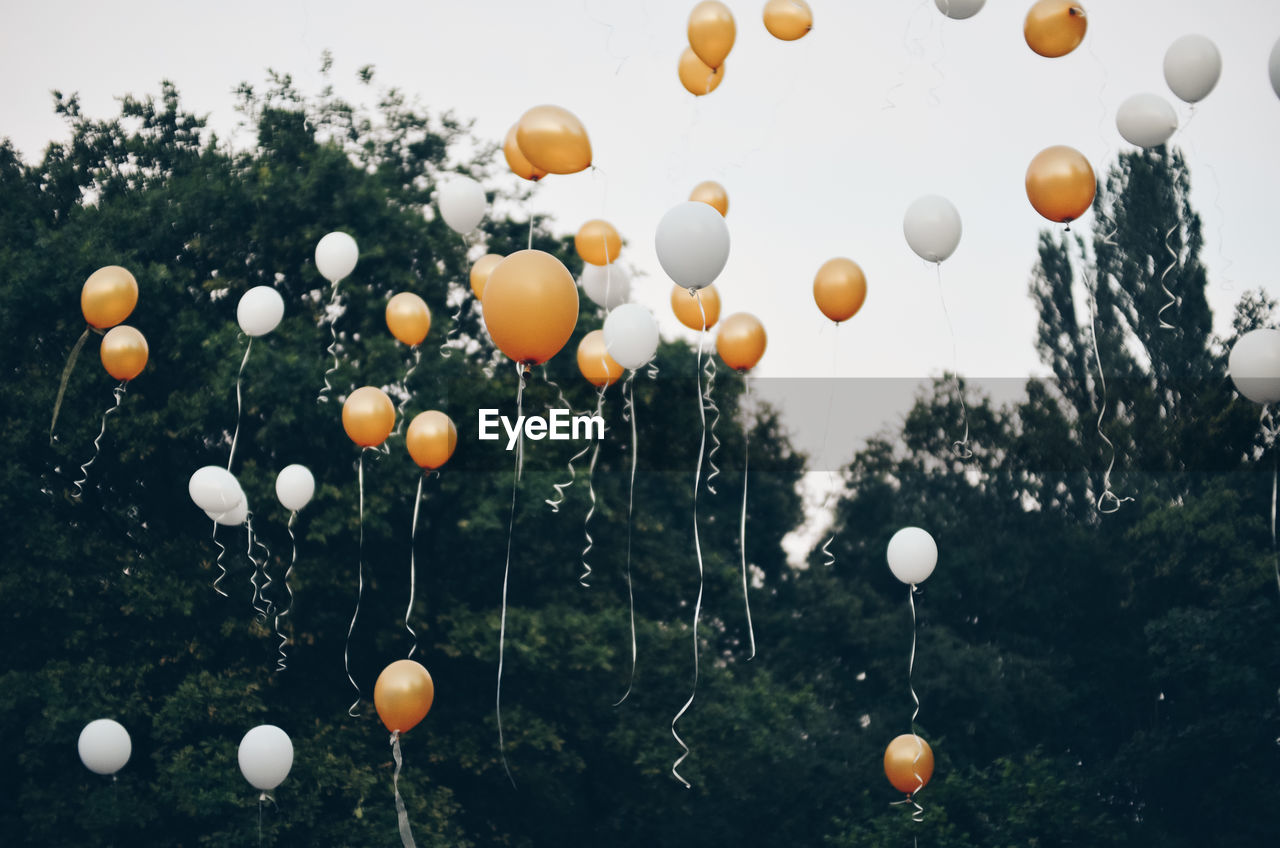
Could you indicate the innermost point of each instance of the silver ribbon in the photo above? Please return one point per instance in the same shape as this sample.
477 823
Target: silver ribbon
346 649
506 572
222 550
413 570
629 413
239 404
118 391
742 525
1174 300
404 386
282 663
452 332
332 349
406 833
826 431
961 447
586 521
559 498
259 592
709 401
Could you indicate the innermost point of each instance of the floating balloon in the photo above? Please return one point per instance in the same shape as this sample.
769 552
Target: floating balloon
123 352
403 695
1192 65
336 256
685 306
368 416
408 318
295 487
631 335
959 9
1054 28
214 489
530 306
480 272
606 285
692 241
594 360
697 76
1273 68
788 19
713 194
1254 365
932 227
711 32
553 140
741 341
431 439
260 310
1146 120
104 746
266 756
912 555
108 296
462 203
517 161
839 288
908 763
1060 183
597 242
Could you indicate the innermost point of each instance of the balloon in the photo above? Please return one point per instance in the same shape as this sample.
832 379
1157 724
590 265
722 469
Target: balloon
1060 183
1254 365
336 256
711 192
908 763
403 695
260 310
266 755
530 306
1192 65
462 203
235 516
788 19
1054 28
431 438
685 306
631 335
480 272
711 32
368 416
594 360
692 241
606 285
214 489
932 228
598 242
104 746
108 296
408 318
697 76
839 288
1146 120
554 140
959 9
124 352
295 487
1273 68
516 160
741 341
912 555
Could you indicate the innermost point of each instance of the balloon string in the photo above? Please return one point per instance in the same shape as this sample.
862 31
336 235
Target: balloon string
1270 430
222 550
118 391
346 650
239 404
452 333
282 663
586 521
506 572
261 804
742 525
629 413
413 571
559 498
918 815
959 448
406 833
1108 502
404 385
259 592
826 432
708 400
255 539
332 349
66 377
1174 300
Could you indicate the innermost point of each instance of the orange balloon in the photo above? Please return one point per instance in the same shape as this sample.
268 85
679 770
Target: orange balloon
431 438
517 161
408 318
712 194
711 32
741 341
530 306
839 288
598 242
481 270
788 19
553 140
594 360
696 75
685 306
1054 28
403 695
124 352
1060 183
908 763
368 416
108 296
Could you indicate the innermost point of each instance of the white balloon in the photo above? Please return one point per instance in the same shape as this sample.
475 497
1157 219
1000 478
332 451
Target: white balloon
336 256
233 517
462 203
214 489
260 310
1147 120
1254 365
104 746
295 487
607 285
266 755
1192 65
1273 68
631 334
912 555
693 244
932 227
959 9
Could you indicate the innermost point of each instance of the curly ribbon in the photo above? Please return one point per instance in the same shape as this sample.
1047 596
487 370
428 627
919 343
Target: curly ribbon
918 814
413 568
559 498
521 374
452 333
961 447
826 431
346 650
1174 300
404 385
629 414
332 349
283 663
742 525
97 442
709 401
235 437
222 550
586 521
259 592
66 377
406 834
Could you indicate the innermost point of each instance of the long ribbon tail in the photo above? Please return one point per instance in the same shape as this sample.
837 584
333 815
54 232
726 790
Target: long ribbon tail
413 568
235 437
506 572
1174 300
332 349
451 335
586 521
629 412
66 378
266 568
406 833
960 447
826 432
918 815
346 650
283 663
97 442
222 550
404 385
1108 502
742 525
559 498
1270 431
259 591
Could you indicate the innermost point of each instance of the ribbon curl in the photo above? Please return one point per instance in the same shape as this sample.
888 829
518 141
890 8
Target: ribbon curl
560 496
222 550
332 349
413 571
406 833
235 437
346 649
742 526
282 663
118 391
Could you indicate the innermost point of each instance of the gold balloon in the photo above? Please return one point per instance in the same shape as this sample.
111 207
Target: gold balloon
408 318
368 416
594 360
553 140
712 194
1060 183
908 763
124 352
1055 27
685 306
711 32
403 695
741 341
431 439
480 272
788 19
517 161
839 288
598 242
530 306
696 75
108 296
